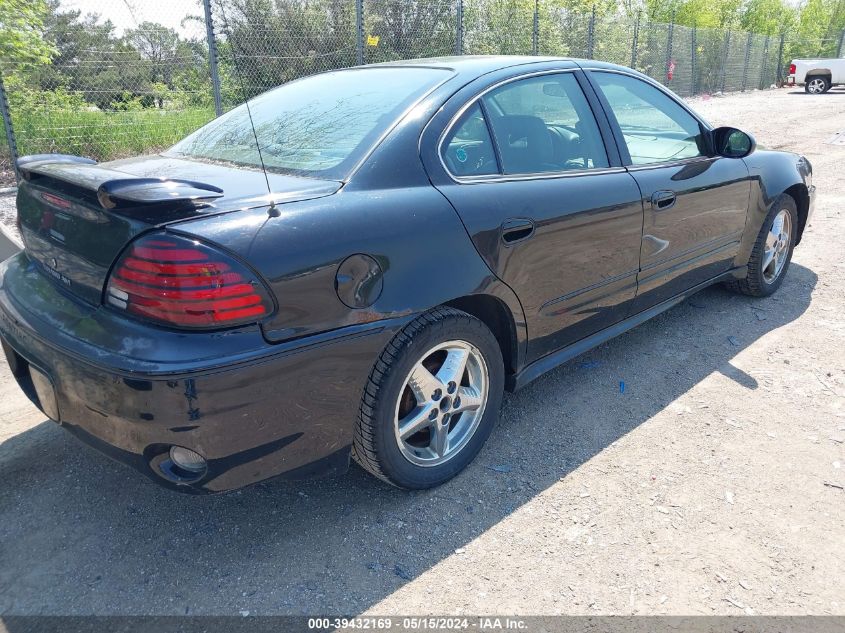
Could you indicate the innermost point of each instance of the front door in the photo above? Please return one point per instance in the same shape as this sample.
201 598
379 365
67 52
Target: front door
695 203
552 215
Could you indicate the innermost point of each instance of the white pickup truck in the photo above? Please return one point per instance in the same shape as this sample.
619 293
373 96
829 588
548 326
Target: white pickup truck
817 75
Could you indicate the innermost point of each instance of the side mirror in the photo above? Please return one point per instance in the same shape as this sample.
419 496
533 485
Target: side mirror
733 143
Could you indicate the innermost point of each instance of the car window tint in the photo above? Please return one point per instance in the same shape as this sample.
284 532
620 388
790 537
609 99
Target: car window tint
655 127
468 149
544 124
318 126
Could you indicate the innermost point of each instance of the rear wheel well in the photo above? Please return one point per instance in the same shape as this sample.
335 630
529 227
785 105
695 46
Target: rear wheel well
799 193
495 315
820 72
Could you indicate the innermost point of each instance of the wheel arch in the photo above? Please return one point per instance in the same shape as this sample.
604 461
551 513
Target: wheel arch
799 193
499 318
773 174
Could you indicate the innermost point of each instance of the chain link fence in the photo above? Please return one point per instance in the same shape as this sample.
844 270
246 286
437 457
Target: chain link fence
124 85
126 82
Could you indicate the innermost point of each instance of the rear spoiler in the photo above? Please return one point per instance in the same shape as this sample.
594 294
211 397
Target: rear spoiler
115 188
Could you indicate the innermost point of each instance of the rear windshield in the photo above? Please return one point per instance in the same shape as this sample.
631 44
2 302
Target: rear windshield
319 126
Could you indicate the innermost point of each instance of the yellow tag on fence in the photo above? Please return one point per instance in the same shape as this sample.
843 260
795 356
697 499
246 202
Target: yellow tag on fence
372 40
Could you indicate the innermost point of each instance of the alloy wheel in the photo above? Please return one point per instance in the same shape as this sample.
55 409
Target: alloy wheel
816 86
441 403
776 250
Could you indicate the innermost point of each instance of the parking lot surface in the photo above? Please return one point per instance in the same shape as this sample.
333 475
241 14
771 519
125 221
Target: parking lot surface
711 484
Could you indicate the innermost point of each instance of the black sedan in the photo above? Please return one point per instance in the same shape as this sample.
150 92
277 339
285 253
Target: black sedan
358 263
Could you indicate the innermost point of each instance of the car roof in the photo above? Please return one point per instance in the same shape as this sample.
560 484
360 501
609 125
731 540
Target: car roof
469 67
460 62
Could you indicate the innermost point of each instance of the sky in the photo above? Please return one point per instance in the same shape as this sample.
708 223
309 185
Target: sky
125 14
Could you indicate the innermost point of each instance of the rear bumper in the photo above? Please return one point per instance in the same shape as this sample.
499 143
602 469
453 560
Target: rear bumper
252 409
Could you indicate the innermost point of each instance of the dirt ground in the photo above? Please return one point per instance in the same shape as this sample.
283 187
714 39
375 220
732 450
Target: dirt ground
707 487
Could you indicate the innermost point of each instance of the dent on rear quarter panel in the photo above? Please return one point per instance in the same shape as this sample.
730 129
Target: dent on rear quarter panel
413 233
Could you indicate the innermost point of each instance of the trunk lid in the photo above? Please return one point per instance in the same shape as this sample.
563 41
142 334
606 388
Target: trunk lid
73 237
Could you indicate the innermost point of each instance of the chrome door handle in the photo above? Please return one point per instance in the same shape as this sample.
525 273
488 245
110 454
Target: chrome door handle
516 230
661 200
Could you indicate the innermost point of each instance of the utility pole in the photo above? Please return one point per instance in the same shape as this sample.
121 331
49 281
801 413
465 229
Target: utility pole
669 43
10 132
459 28
359 27
213 70
635 43
748 42
779 77
693 60
763 67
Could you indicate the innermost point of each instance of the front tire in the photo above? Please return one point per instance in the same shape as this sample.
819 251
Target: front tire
772 251
431 400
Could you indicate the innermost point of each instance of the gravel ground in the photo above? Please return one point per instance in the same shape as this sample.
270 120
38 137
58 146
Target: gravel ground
8 212
699 490
7 175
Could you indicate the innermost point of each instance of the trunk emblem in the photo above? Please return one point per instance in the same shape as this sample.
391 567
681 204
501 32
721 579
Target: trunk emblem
50 268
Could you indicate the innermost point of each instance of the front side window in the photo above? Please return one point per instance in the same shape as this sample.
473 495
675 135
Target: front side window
320 126
544 124
655 127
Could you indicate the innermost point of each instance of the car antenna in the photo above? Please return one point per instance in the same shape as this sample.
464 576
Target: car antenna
272 211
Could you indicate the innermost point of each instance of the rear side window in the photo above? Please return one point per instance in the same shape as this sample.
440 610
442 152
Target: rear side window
468 148
544 124
318 126
655 127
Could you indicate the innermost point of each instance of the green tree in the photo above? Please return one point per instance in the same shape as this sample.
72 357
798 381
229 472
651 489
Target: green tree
264 43
722 14
818 30
165 58
159 46
493 27
410 28
768 17
21 32
91 59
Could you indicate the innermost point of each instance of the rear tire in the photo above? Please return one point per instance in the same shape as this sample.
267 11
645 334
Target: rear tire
772 250
817 84
431 400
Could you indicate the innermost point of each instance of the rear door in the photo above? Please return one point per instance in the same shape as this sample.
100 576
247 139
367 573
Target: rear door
695 203
548 206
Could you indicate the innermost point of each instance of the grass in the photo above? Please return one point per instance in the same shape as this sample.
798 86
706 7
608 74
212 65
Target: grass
103 135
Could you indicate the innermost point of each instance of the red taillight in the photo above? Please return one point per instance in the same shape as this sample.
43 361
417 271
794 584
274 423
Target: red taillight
792 69
182 282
